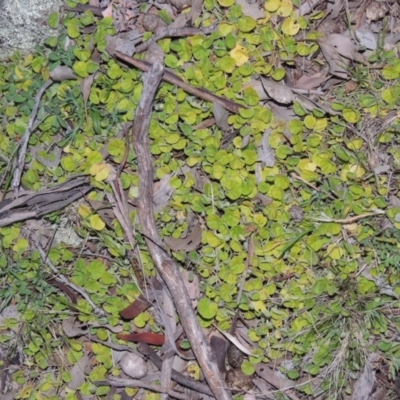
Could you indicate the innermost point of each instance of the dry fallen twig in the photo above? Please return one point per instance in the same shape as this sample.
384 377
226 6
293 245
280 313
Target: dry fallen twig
135 383
175 80
171 32
349 220
183 380
284 385
61 278
25 139
165 265
31 204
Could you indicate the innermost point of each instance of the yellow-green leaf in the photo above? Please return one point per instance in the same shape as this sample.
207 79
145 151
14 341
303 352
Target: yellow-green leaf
240 55
100 171
290 26
96 223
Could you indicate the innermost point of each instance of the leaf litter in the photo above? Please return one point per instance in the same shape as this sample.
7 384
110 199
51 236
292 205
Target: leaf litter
310 114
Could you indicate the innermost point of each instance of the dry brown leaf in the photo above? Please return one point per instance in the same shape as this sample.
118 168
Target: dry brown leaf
62 73
192 286
190 242
338 50
104 210
162 192
108 11
278 92
311 81
251 10
221 116
265 152
86 85
362 388
78 372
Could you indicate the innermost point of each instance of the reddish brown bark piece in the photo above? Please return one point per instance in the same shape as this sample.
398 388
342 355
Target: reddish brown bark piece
65 289
140 304
155 339
135 308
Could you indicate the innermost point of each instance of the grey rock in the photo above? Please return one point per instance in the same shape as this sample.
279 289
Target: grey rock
23 24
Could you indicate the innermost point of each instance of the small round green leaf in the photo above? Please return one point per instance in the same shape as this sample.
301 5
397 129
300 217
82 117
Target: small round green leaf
207 308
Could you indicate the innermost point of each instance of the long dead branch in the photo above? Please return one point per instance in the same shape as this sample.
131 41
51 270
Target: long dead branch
175 80
31 204
63 279
183 380
25 139
135 383
171 32
165 265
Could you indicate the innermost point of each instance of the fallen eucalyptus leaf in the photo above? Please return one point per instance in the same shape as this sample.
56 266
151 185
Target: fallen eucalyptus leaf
264 151
236 342
251 10
62 73
72 328
278 92
221 116
192 286
190 242
338 50
78 372
162 192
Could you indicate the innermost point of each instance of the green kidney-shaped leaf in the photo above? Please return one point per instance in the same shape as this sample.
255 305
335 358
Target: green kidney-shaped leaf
384 346
351 116
246 24
80 69
73 31
226 64
247 368
390 73
226 3
82 54
207 308
53 20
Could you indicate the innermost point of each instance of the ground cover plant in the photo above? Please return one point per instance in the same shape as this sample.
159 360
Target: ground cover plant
274 144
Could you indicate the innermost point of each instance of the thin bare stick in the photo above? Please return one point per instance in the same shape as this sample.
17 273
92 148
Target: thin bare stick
118 382
167 309
183 380
177 32
349 220
7 169
250 254
165 265
25 139
61 278
175 80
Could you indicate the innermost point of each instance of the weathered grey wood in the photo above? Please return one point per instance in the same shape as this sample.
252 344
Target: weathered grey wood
165 265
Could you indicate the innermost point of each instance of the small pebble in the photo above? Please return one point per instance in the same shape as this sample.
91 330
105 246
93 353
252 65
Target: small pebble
151 22
296 213
235 356
237 380
133 366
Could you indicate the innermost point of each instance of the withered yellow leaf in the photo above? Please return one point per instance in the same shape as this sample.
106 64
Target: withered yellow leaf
100 171
240 55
